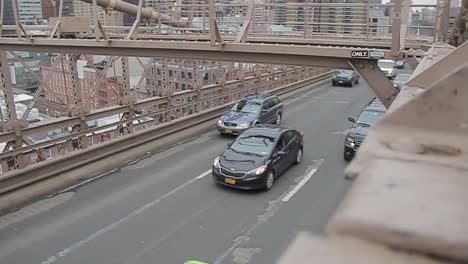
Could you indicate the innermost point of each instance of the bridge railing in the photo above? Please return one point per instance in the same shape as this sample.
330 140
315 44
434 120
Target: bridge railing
265 19
54 138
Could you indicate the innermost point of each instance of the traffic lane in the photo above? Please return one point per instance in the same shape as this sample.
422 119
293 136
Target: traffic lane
113 209
215 226
204 243
109 198
77 229
202 219
195 152
316 202
270 241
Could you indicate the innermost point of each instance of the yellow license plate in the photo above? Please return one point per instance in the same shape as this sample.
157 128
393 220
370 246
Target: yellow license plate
230 181
228 130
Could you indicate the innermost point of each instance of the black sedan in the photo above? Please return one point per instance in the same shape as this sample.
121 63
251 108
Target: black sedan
345 77
258 156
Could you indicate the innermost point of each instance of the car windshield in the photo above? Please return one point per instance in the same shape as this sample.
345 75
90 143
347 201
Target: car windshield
402 78
368 118
246 107
255 144
386 64
345 72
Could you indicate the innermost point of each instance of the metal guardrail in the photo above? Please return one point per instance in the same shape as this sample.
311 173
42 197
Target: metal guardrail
14 180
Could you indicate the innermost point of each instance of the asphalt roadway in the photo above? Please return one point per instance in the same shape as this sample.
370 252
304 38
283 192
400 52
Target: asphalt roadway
166 209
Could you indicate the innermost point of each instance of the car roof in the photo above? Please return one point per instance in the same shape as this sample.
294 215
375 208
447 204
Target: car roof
265 130
375 109
404 74
376 105
257 97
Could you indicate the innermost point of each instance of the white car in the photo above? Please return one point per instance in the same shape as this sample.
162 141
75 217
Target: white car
388 67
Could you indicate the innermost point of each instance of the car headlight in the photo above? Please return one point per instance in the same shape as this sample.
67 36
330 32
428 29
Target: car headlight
260 170
350 141
216 163
243 125
220 122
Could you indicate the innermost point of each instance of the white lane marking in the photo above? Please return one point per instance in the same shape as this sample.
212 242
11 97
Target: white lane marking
201 176
104 230
304 180
344 132
86 181
336 102
273 207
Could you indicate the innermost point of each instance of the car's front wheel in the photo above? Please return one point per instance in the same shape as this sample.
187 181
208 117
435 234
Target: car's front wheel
299 155
347 156
270 179
278 119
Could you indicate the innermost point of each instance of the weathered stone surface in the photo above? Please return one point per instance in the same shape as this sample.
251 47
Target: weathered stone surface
408 205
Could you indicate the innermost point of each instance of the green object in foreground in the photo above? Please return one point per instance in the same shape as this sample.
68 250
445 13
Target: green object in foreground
194 262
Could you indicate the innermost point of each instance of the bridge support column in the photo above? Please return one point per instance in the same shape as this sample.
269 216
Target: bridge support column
380 84
396 27
77 109
12 124
127 98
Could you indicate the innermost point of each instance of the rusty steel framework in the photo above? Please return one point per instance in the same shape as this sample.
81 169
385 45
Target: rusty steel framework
164 104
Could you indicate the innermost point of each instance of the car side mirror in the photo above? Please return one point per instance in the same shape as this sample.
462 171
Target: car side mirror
229 144
351 119
281 153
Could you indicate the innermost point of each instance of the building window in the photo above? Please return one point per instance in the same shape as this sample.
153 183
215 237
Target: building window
47 154
33 156
102 93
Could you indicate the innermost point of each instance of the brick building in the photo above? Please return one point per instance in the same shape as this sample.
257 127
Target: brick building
58 88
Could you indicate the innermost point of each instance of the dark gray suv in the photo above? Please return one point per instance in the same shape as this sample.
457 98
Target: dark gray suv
372 113
251 110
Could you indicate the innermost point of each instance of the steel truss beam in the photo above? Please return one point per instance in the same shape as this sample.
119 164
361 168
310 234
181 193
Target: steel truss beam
326 41
315 56
242 36
210 98
146 13
58 123
376 79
